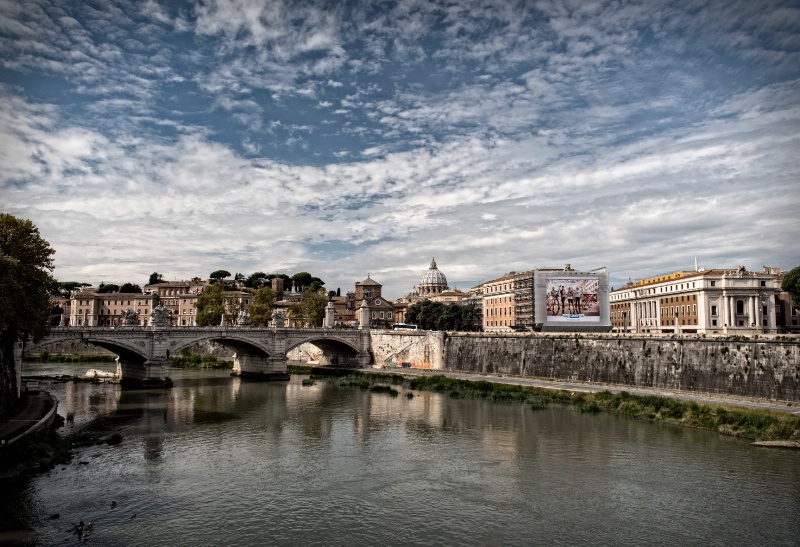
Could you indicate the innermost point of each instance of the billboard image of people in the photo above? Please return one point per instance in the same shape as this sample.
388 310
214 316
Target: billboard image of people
573 299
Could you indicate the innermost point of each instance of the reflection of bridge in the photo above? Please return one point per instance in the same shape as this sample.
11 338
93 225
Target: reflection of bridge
260 353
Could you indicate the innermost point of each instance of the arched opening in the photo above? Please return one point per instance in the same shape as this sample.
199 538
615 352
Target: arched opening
740 307
333 352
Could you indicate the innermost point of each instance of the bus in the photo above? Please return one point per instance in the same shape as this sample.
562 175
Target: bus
403 326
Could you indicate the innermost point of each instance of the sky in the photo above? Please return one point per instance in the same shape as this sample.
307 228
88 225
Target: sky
354 138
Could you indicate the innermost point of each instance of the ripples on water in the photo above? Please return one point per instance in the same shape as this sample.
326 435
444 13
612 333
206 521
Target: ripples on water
221 461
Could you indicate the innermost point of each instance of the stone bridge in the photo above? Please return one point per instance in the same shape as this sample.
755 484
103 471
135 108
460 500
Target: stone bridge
258 352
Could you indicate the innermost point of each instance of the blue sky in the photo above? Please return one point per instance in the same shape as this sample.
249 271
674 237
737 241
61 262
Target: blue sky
346 138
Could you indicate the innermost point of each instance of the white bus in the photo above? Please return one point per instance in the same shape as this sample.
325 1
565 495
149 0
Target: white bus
403 326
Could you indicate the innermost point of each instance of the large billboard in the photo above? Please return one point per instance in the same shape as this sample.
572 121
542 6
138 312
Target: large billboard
572 299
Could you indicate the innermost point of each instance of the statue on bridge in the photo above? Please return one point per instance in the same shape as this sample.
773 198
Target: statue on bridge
278 318
130 318
160 316
243 319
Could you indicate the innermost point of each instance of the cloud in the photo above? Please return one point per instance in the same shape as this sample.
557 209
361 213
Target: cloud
494 135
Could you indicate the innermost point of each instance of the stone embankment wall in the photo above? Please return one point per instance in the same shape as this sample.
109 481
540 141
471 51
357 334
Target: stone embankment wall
751 368
423 349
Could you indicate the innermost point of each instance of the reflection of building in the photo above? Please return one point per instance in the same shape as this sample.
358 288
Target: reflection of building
706 301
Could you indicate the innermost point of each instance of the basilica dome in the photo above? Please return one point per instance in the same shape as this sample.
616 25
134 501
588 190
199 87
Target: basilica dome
433 281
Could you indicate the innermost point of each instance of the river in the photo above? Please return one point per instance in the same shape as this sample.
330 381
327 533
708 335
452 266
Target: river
221 461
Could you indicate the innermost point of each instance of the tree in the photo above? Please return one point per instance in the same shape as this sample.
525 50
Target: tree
431 315
210 306
791 284
156 278
307 282
310 311
216 302
261 307
256 280
130 288
65 288
219 275
26 264
103 288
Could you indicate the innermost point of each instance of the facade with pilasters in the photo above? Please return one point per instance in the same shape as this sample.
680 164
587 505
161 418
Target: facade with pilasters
707 301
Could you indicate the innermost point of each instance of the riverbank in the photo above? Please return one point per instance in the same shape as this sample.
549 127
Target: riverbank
30 442
749 423
46 357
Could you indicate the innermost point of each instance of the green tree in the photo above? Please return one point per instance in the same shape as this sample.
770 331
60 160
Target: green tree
103 288
430 315
310 311
26 264
210 306
130 288
256 280
216 302
307 282
261 307
155 279
219 275
791 284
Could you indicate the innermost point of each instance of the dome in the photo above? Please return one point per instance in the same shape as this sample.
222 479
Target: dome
433 281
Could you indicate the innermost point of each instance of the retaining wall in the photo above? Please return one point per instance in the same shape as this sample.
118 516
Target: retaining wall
751 368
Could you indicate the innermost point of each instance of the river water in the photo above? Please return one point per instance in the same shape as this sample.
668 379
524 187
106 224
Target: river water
221 461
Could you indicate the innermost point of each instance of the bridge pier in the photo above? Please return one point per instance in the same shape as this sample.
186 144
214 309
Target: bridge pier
258 367
153 373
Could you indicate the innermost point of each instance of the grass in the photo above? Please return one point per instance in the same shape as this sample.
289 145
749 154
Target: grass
191 360
760 425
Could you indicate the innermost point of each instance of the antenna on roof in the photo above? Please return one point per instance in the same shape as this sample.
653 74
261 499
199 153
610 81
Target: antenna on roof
695 265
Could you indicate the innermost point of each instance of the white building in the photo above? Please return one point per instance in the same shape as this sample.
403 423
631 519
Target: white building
707 301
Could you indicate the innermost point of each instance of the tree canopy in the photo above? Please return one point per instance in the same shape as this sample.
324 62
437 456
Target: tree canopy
791 284
307 282
155 279
310 311
215 303
430 315
26 264
256 280
103 288
130 288
219 275
66 287
261 306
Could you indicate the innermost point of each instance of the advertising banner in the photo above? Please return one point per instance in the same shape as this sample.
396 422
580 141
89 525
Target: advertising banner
573 299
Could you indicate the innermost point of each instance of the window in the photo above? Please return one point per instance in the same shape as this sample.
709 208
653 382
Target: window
739 307
374 315
713 322
713 283
713 310
381 315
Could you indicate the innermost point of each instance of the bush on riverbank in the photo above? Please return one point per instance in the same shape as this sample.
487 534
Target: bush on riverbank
46 357
299 369
761 425
193 360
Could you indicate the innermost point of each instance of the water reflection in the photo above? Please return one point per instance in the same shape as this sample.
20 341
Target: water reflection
221 460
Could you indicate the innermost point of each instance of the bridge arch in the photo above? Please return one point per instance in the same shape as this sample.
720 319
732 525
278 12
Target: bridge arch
336 350
238 343
134 351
